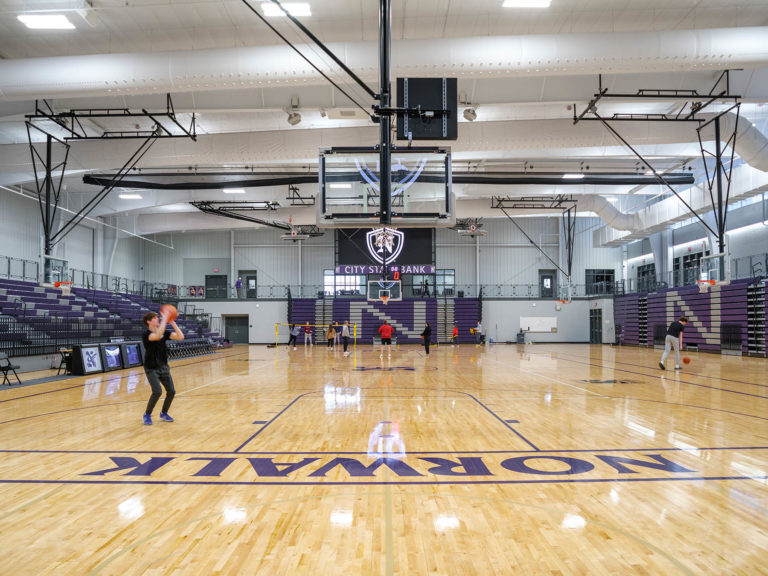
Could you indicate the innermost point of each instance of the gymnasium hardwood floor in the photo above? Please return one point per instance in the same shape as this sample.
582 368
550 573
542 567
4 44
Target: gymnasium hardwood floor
536 459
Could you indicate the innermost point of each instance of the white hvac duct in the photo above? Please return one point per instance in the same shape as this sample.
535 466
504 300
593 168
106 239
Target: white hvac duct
488 56
751 144
608 213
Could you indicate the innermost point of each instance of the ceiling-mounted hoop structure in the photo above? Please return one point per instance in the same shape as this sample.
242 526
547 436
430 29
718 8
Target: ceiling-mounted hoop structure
350 188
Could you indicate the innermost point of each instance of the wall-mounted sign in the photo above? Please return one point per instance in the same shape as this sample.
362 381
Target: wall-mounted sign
405 247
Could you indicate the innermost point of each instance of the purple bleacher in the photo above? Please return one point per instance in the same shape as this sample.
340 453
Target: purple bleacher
707 312
466 313
407 316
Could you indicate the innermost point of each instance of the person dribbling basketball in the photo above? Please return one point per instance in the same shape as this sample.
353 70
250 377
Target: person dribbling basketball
674 339
156 363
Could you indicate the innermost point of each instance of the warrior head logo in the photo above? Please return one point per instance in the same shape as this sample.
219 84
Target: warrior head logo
385 244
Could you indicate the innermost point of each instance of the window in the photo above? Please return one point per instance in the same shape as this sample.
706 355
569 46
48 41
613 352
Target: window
445 282
599 281
343 285
646 278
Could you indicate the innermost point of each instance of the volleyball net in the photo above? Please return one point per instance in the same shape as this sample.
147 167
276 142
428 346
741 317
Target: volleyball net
318 332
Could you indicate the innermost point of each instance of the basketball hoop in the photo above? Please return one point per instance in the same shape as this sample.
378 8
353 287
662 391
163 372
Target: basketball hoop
704 285
64 286
384 300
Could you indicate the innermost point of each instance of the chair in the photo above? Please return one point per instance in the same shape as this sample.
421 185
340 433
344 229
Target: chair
66 361
6 366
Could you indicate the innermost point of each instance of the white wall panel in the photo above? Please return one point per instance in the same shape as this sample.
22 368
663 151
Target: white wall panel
315 259
78 248
127 262
166 264
458 253
276 265
586 256
20 227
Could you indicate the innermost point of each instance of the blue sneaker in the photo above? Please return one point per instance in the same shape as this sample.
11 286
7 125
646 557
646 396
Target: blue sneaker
147 420
165 418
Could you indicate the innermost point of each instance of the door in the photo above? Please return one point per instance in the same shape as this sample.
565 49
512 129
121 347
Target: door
547 288
249 283
236 329
250 286
595 326
216 286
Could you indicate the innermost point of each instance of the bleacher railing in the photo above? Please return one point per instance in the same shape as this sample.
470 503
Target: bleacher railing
755 266
48 334
19 269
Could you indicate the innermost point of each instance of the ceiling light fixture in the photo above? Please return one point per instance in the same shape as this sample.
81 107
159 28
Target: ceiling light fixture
129 196
294 118
343 185
573 176
293 112
46 21
233 191
297 9
470 114
526 4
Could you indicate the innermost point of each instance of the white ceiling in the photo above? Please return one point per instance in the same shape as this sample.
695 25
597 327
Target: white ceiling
524 70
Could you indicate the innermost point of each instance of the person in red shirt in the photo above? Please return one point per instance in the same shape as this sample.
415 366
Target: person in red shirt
307 334
385 330
455 336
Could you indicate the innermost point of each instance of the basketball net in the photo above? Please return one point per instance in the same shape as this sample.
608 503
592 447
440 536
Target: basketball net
704 285
384 300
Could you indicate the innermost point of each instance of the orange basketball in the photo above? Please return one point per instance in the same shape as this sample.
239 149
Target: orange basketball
686 360
168 312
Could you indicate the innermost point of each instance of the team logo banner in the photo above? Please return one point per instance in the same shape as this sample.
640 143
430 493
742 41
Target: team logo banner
384 244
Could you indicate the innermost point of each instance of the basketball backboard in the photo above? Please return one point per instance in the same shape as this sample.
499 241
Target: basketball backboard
384 290
715 268
421 194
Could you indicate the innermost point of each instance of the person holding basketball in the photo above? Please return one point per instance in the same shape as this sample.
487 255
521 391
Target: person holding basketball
385 330
156 360
674 339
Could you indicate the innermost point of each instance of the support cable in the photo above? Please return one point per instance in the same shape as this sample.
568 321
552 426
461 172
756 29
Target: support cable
85 210
534 243
307 60
655 173
322 46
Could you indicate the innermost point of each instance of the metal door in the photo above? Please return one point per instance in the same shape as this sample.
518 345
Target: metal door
216 286
547 288
250 286
236 329
595 326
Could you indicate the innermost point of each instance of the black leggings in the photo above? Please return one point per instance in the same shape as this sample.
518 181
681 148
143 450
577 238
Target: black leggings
345 339
292 338
157 376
